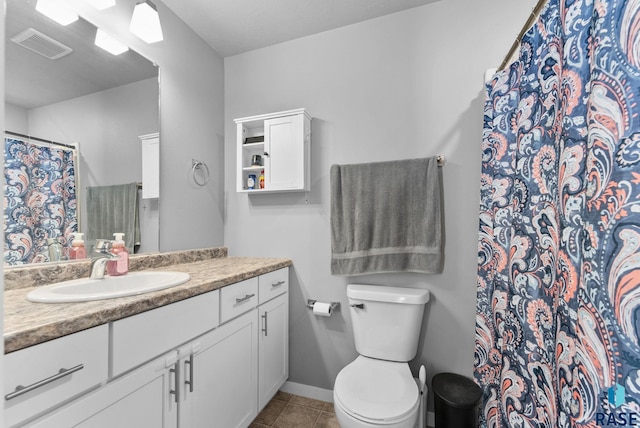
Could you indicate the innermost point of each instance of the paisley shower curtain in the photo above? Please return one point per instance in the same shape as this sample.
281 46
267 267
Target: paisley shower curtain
39 199
558 308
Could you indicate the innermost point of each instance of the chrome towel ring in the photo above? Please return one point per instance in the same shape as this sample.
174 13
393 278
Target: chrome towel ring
199 165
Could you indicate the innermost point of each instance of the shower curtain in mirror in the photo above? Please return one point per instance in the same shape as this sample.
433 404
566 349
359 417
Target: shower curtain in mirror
558 307
39 199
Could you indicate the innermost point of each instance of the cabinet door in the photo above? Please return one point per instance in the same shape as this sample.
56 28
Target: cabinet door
41 377
273 348
141 398
285 153
222 376
150 166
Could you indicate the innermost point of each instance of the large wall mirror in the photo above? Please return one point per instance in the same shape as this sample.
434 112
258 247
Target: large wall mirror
89 97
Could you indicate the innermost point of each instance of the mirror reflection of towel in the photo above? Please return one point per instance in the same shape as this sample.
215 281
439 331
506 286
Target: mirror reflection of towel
386 217
113 209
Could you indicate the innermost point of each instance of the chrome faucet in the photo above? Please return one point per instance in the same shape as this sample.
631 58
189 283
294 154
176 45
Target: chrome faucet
101 255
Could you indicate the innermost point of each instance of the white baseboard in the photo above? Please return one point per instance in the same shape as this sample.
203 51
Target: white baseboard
327 395
308 391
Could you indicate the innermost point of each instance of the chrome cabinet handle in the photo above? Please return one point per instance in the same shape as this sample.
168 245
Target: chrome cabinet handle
357 305
24 389
245 298
190 381
176 372
264 329
277 284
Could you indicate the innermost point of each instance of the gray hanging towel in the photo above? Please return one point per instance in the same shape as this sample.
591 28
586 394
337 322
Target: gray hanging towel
113 209
386 217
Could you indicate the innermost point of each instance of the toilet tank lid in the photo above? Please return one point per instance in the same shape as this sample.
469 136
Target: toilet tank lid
381 293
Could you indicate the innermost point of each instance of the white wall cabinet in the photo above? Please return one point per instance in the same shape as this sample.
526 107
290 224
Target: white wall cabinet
211 360
282 141
150 165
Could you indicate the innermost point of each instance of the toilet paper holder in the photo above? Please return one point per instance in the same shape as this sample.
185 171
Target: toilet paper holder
311 302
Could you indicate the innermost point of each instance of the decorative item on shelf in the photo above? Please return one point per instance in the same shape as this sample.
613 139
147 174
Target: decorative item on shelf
256 160
251 182
251 140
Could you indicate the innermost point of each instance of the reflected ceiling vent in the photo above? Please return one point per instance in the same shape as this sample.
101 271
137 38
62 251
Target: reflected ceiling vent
41 44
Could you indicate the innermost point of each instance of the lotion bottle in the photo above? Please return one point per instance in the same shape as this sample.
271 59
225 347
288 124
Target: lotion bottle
119 266
77 250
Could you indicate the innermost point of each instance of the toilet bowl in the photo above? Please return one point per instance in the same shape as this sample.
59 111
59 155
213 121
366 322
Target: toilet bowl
377 389
376 393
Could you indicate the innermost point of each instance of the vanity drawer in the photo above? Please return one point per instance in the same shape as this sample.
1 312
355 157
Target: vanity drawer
273 284
141 337
238 298
53 372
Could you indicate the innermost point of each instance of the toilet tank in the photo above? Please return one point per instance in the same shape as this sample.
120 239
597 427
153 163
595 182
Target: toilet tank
386 320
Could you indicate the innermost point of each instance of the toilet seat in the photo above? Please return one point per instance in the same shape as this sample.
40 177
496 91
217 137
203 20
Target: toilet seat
377 391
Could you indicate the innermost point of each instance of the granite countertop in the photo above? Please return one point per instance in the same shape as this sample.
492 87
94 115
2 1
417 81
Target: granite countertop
27 323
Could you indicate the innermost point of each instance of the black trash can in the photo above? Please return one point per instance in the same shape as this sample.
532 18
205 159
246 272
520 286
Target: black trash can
456 401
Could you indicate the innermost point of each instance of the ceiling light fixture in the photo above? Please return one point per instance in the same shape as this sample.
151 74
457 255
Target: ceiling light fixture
110 44
57 11
102 4
145 22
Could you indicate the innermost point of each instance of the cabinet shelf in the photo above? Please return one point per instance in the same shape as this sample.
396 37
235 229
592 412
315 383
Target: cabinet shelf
252 146
287 138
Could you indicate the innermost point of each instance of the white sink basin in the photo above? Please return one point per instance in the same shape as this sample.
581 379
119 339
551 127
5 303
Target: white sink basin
86 289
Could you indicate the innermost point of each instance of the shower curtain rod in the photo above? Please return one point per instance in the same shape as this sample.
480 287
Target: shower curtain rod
17 134
514 47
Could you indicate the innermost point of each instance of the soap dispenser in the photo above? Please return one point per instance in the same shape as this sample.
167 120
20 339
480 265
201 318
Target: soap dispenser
120 265
55 250
77 250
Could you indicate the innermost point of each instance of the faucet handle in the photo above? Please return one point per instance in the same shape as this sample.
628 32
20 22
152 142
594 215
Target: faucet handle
102 245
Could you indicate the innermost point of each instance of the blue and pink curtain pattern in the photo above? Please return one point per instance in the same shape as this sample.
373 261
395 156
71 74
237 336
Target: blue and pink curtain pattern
558 309
39 199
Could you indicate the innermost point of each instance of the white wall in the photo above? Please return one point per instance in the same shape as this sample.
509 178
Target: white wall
16 119
106 125
402 86
191 123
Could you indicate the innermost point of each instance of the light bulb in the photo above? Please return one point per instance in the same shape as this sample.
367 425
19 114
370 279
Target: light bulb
145 22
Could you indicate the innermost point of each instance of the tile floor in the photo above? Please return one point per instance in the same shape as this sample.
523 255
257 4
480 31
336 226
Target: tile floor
292 411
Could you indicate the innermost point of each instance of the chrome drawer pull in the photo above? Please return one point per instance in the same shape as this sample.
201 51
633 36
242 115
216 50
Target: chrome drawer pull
176 373
245 298
190 381
277 284
264 329
24 389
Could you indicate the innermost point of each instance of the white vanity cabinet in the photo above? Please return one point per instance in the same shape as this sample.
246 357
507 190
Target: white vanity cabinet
211 360
139 399
282 143
42 376
221 376
273 343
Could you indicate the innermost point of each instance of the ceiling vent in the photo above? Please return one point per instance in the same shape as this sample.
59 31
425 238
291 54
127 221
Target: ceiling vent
41 44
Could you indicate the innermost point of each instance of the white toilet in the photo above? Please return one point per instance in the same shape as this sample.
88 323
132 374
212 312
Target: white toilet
377 389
